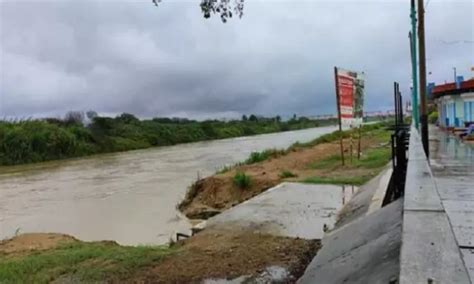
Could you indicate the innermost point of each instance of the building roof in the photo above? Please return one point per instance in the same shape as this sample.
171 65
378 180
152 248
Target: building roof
450 89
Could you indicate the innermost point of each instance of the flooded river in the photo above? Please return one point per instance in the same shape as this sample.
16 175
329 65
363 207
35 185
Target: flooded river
128 197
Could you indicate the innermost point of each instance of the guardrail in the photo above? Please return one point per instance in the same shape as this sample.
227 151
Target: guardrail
399 143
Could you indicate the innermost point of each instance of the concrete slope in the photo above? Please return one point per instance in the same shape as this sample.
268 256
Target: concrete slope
365 251
288 210
368 198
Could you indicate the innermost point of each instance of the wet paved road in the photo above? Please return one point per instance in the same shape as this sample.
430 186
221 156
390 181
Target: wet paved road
128 197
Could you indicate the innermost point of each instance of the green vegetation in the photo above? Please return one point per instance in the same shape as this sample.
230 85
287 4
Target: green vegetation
335 136
287 174
433 117
376 131
256 157
224 169
242 180
50 139
373 158
349 180
358 171
79 262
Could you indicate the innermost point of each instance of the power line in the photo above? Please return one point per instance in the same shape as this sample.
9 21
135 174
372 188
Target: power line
427 3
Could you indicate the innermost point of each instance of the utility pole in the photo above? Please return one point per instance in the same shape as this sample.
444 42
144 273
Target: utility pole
423 110
412 35
455 75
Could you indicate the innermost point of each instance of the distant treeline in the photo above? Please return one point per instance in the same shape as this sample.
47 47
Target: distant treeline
29 141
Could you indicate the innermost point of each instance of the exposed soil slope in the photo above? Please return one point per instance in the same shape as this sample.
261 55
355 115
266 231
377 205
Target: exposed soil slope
227 255
210 254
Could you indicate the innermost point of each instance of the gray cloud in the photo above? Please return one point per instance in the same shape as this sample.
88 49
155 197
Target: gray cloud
114 56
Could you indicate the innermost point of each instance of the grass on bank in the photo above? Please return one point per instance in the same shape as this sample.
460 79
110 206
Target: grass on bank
375 130
80 262
359 171
256 157
287 174
339 180
372 159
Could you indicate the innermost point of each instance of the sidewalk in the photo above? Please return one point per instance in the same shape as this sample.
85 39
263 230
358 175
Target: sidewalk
452 164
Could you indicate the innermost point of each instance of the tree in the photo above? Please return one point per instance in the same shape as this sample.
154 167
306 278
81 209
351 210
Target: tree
74 117
223 8
253 117
127 118
91 114
244 118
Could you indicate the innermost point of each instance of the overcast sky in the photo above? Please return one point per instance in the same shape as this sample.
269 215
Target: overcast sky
129 56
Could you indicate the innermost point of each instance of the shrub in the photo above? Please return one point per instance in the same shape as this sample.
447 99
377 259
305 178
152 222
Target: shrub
242 180
256 157
433 117
287 174
74 117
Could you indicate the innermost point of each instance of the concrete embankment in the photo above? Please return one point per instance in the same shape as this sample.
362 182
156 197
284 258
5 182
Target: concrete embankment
424 237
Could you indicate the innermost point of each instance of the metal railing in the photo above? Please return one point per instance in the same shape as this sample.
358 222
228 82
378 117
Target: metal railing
399 142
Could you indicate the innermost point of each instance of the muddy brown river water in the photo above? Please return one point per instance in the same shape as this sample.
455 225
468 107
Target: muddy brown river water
128 197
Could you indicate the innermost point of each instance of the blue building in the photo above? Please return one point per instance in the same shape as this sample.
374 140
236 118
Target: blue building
455 103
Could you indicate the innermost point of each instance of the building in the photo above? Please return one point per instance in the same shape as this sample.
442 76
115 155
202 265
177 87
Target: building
455 103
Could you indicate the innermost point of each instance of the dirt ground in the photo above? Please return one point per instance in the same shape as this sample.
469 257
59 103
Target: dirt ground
212 195
228 255
25 243
210 254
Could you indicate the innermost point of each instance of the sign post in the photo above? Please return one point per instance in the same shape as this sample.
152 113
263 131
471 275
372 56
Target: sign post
339 114
350 104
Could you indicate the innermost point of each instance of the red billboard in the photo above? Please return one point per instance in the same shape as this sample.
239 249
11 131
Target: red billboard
350 96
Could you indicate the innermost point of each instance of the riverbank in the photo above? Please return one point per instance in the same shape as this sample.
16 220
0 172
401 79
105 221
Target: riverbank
211 254
214 253
31 141
317 161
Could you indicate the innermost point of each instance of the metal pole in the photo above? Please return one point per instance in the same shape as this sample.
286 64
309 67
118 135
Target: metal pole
400 97
358 146
423 110
415 106
339 114
395 102
351 146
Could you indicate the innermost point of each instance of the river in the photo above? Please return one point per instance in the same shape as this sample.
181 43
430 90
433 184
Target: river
128 197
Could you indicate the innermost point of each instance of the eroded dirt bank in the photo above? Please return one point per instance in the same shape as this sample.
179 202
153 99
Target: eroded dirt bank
210 254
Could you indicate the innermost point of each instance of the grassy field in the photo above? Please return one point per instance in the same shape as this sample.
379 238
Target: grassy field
375 130
85 262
